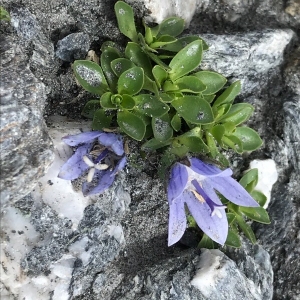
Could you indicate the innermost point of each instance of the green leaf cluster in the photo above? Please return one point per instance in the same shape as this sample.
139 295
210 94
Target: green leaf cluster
238 216
4 15
156 92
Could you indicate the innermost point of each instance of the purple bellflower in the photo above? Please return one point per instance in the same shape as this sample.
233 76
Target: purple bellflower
99 153
196 186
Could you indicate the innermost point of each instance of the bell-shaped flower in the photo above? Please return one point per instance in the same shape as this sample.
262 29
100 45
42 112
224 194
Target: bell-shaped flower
99 153
196 186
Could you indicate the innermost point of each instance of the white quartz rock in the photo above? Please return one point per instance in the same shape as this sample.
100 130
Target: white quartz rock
213 280
267 176
160 10
58 193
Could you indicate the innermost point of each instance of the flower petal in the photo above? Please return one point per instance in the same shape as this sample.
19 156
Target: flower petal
177 182
213 226
232 190
105 181
114 141
210 192
74 140
208 170
212 205
75 165
101 156
177 221
120 165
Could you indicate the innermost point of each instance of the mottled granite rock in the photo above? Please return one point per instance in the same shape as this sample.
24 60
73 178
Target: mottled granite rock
281 238
106 247
250 57
292 132
292 73
26 149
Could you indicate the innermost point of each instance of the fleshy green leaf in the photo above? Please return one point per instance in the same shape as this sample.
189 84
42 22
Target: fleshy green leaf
127 102
160 75
259 197
213 81
194 109
108 55
171 26
176 122
249 137
220 111
136 55
238 113
209 98
148 34
105 101
151 105
246 229
190 84
193 141
161 127
90 76
218 133
206 242
90 108
257 214
155 144
233 239
186 60
157 60
229 128
230 217
101 120
120 65
229 94
233 142
182 42
167 98
150 85
249 180
131 81
212 147
163 40
131 124
125 18
169 86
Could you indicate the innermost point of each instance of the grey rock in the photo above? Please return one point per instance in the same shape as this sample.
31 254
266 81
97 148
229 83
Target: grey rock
74 46
292 132
211 281
255 263
211 275
251 57
292 73
26 149
55 231
281 240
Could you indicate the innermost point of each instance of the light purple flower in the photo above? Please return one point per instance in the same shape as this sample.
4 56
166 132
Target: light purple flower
196 186
99 153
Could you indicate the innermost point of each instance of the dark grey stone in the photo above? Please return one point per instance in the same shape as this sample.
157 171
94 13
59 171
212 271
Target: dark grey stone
73 46
292 131
281 239
26 149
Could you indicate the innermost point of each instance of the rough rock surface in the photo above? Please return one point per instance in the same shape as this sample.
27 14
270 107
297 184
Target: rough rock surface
26 149
114 246
251 58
